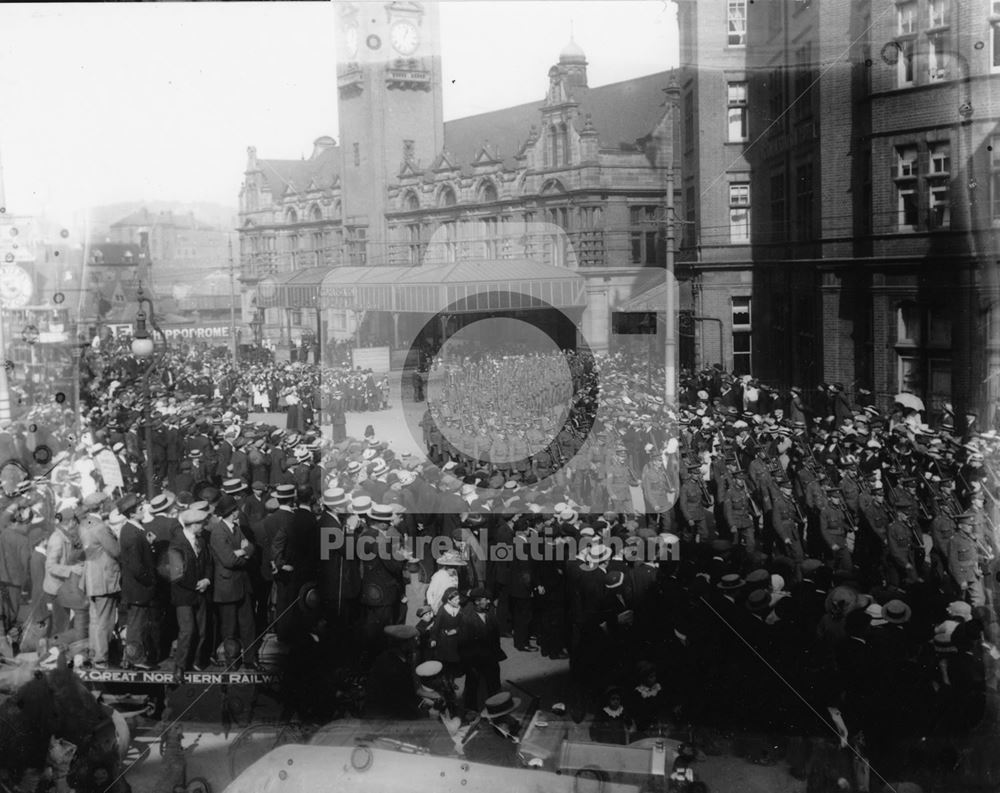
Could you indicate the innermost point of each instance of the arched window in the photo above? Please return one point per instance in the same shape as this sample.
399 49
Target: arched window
316 212
291 216
446 198
410 201
487 192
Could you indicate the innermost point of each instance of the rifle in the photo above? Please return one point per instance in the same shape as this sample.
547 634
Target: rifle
848 517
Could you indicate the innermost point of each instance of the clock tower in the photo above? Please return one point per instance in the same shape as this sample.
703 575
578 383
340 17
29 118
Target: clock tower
390 110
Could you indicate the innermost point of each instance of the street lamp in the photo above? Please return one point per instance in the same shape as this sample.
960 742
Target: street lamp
143 349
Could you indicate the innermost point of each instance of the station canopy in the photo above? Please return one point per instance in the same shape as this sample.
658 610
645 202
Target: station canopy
459 287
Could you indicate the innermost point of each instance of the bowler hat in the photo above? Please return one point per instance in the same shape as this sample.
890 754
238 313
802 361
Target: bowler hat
226 506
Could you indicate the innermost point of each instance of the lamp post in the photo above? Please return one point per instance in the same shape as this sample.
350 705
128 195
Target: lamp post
143 348
257 326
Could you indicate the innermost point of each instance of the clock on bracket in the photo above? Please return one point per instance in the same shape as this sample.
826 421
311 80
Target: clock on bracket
405 37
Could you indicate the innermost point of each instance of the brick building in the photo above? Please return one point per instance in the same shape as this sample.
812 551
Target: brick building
715 261
873 131
570 188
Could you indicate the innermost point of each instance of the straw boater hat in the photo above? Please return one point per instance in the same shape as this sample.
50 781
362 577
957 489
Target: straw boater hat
896 612
232 486
361 505
335 497
500 705
161 503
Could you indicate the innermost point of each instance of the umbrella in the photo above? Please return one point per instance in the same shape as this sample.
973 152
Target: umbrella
909 401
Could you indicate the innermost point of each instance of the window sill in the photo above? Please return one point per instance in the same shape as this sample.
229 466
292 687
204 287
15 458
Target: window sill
936 30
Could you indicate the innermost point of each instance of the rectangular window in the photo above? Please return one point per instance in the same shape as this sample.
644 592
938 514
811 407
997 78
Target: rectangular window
739 213
907 202
938 13
906 18
907 323
940 158
741 353
938 61
644 236
939 382
736 22
778 207
939 327
737 111
908 374
906 161
741 313
939 205
741 335
905 63
357 154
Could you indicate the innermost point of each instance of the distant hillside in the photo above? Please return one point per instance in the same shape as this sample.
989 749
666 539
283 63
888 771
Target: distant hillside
101 217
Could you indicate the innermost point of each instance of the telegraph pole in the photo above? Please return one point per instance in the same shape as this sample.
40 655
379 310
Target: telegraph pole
672 92
232 303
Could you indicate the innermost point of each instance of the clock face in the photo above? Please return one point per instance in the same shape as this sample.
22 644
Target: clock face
15 286
351 42
405 38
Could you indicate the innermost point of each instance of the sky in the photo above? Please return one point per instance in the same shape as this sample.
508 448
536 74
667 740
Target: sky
103 103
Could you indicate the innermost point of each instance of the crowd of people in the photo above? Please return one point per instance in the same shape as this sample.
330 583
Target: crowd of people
738 560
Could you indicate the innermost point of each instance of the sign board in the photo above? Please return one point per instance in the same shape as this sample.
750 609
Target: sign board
196 332
111 473
158 678
374 358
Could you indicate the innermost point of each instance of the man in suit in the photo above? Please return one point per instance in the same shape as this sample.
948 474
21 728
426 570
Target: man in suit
278 521
191 577
295 551
231 587
138 587
339 573
382 584
239 464
479 649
